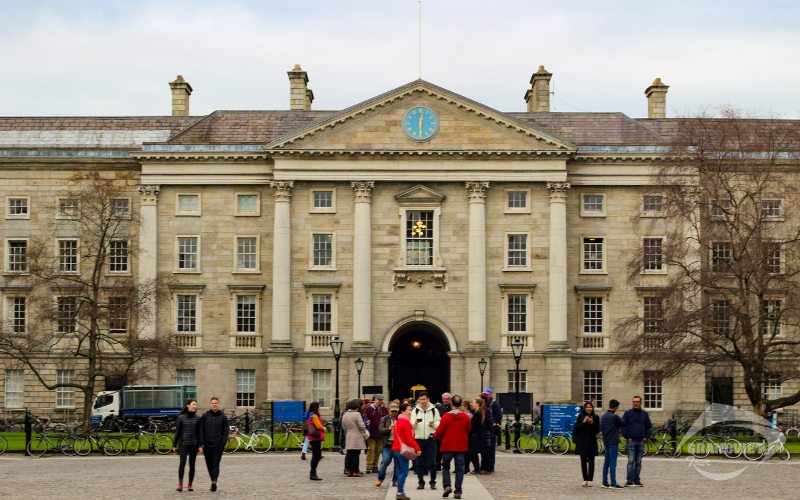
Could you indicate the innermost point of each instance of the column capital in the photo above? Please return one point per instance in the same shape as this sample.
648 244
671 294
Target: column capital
362 191
476 191
149 193
558 190
282 190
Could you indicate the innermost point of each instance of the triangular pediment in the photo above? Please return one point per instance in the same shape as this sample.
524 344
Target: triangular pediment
465 127
419 194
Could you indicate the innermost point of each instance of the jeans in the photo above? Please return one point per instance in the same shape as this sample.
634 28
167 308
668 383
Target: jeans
402 466
447 456
213 455
427 460
304 450
386 458
635 454
610 464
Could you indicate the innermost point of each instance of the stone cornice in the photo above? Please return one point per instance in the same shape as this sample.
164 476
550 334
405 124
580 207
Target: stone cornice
449 153
198 156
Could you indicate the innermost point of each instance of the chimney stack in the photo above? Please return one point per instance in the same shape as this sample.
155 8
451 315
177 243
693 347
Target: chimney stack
538 96
181 90
300 96
656 99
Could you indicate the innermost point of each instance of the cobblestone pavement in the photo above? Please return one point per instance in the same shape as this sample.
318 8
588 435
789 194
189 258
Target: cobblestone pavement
284 476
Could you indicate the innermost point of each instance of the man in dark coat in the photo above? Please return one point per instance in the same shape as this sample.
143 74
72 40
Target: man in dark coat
637 431
213 436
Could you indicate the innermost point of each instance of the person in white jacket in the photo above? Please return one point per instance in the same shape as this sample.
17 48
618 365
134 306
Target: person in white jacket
425 419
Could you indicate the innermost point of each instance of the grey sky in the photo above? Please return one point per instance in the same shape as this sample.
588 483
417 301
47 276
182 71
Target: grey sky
70 57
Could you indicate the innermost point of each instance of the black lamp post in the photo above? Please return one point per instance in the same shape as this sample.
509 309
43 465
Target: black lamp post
336 347
359 367
482 367
516 347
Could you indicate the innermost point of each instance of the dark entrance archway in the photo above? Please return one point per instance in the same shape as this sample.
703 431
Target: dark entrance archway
418 356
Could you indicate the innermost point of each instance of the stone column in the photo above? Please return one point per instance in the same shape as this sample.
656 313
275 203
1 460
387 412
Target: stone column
476 272
148 255
558 266
281 265
362 264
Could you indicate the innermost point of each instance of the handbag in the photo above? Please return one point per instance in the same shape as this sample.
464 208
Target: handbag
407 452
311 429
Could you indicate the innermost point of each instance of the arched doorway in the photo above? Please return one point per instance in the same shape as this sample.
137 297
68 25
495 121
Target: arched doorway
418 357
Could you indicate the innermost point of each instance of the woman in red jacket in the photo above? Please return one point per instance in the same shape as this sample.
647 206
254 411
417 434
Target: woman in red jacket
315 442
403 434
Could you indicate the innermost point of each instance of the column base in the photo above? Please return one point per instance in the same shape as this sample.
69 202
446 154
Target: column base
362 346
558 346
476 347
281 346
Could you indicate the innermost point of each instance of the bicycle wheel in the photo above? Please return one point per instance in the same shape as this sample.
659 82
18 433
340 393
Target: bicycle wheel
261 442
754 451
82 446
113 446
792 432
231 445
282 442
623 447
559 445
700 448
783 453
132 445
672 449
732 448
3 445
37 447
528 444
162 444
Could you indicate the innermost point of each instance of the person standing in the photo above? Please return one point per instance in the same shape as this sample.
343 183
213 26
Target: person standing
494 417
315 440
387 429
584 434
403 435
304 449
425 419
453 431
637 430
476 433
537 413
444 406
356 436
375 412
214 429
187 441
610 424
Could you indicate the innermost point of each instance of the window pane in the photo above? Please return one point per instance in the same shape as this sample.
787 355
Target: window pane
653 254
592 203
187 313
120 207
593 315
771 209
653 390
245 388
18 206
68 256
323 199
246 314
67 314
187 252
188 203
652 314
323 250
593 387
517 199
247 202
517 313
321 313
321 386
771 313
419 238
517 250
653 203
523 381
118 256
721 253
247 253
15 389
17 256
68 207
185 377
65 396
17 307
118 314
593 254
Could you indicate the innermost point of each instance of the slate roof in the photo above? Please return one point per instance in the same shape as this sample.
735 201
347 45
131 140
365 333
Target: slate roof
610 129
231 127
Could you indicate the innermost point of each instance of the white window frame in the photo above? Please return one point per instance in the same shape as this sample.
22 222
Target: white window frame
65 396
523 380
10 314
582 323
321 387
506 252
772 386
127 270
198 254
720 268
717 210
322 210
127 214
58 317
198 311
526 336
186 376
435 218
59 268
593 213
781 327
653 390
26 215
111 317
583 270
769 216
251 384
781 258
663 268
8 255
517 210
652 325
235 314
14 381
333 291
236 268
593 387
311 249
61 215
652 213
189 213
254 213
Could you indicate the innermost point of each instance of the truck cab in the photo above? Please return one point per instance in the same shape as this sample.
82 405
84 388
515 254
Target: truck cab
106 403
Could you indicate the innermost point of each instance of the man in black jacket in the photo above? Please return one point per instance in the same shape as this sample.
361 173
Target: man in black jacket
213 436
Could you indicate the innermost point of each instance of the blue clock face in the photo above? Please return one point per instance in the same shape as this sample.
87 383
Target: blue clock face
420 123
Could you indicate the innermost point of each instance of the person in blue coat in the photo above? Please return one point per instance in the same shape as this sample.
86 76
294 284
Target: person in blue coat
637 430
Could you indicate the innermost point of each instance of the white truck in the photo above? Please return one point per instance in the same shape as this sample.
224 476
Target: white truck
139 402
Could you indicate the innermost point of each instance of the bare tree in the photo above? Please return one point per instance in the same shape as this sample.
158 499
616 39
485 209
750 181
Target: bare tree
727 197
80 304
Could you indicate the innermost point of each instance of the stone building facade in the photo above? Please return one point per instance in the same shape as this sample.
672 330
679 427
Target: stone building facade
424 229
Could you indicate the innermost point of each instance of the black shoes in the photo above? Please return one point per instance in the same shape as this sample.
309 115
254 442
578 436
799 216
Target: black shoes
213 486
421 486
302 456
314 477
446 492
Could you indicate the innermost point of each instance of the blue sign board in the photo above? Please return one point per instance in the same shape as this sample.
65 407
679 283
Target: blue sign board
288 411
559 418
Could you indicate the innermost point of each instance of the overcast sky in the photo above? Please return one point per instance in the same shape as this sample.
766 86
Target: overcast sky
115 57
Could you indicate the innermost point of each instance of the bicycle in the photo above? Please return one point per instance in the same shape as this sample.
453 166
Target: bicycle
758 450
257 442
3 444
291 433
39 445
111 446
728 446
156 443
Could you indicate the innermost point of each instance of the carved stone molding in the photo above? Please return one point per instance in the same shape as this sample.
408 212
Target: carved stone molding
477 190
282 190
558 190
403 277
149 193
362 191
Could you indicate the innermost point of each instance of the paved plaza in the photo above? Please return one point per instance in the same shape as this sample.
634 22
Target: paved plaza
284 476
